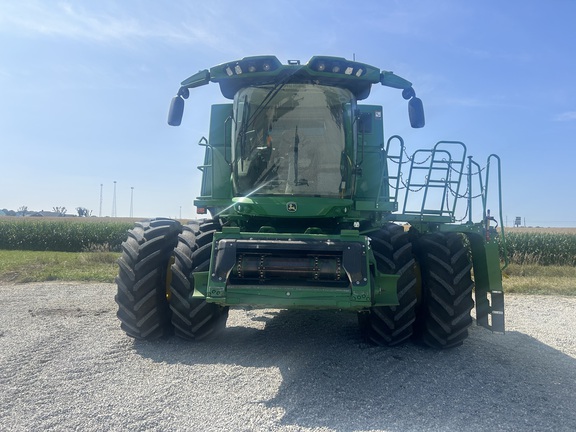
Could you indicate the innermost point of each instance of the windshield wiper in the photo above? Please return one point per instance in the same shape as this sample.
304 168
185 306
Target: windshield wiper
270 96
297 182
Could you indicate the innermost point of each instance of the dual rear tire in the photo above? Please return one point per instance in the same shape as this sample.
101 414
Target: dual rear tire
434 289
391 325
143 270
156 281
444 312
192 317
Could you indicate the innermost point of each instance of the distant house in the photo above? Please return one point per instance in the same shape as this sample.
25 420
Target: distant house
43 214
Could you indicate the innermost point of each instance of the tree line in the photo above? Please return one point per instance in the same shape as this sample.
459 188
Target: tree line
56 211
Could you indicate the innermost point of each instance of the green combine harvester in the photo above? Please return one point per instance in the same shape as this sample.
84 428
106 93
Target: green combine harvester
311 207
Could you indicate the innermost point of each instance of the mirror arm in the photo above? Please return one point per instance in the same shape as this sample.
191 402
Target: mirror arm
389 79
415 109
198 79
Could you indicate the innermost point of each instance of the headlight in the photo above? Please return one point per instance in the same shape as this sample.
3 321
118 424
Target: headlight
251 65
336 65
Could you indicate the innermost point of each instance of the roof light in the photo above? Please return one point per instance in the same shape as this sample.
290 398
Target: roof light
347 69
246 66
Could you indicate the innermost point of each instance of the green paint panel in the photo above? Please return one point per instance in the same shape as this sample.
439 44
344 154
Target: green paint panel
488 282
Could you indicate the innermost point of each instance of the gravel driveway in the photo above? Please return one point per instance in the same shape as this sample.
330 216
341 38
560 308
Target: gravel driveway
66 365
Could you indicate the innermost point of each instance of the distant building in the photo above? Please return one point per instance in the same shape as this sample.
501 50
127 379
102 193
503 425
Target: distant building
43 214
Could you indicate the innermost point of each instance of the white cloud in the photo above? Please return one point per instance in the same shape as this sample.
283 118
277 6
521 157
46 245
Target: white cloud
105 25
566 116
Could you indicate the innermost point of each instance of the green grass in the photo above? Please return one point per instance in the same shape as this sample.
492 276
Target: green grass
538 279
34 266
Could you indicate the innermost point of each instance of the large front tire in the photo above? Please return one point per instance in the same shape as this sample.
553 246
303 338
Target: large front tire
391 325
444 316
143 272
194 318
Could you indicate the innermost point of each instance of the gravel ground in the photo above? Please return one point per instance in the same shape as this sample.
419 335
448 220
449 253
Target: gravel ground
66 365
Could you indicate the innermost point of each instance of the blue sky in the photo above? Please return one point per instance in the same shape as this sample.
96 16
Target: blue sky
85 88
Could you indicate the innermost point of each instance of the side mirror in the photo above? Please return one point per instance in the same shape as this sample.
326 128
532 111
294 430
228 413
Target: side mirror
416 113
176 111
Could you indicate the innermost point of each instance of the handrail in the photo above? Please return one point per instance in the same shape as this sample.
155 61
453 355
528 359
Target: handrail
208 163
397 159
470 194
439 160
504 250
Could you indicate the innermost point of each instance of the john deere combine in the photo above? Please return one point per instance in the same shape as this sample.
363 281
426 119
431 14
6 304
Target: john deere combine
303 192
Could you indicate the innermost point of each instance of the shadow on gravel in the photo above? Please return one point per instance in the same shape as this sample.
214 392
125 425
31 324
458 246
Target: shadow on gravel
331 379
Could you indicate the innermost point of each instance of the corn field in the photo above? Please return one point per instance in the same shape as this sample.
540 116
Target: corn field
541 248
526 246
62 235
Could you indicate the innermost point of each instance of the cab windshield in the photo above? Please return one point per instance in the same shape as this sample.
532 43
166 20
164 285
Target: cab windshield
290 140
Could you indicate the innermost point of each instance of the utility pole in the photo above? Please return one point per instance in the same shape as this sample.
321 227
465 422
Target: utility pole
100 212
114 201
131 201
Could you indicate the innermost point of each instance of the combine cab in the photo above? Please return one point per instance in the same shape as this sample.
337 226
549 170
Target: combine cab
304 195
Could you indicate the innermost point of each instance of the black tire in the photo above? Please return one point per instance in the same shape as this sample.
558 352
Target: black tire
391 325
444 315
142 279
194 318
